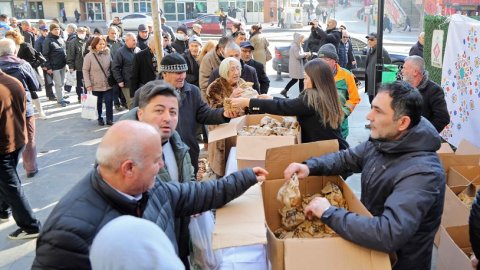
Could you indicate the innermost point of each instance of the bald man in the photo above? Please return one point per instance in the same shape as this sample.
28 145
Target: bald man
128 159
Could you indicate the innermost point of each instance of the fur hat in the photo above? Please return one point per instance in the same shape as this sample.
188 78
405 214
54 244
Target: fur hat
173 62
329 51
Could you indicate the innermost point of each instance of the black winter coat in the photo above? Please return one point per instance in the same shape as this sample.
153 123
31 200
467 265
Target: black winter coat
68 233
173 200
142 70
434 105
180 46
54 52
122 64
249 74
75 54
194 110
417 49
27 53
142 43
313 129
474 224
318 37
263 79
403 187
193 71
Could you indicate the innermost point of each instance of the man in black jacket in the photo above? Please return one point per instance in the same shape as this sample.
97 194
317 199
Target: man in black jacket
121 184
318 37
247 48
142 37
474 224
249 74
54 52
403 182
190 55
193 110
144 68
75 53
122 65
417 48
434 105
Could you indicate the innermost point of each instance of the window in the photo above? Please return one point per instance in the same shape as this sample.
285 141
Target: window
142 6
120 6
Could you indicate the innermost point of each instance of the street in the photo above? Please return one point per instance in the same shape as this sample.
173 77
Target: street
66 143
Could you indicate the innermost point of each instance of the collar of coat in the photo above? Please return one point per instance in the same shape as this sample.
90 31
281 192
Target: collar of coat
116 200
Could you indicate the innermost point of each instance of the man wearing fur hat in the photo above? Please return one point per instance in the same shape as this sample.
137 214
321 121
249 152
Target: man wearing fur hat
181 41
193 109
345 82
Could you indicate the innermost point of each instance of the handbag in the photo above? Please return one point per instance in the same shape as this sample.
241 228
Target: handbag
268 54
89 107
110 79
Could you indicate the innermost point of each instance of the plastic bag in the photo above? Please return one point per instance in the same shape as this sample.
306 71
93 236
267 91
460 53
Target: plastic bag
71 78
89 107
201 229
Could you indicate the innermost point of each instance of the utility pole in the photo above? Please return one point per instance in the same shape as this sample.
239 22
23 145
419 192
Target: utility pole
379 64
157 30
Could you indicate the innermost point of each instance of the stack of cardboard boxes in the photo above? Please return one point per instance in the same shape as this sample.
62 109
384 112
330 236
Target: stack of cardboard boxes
463 176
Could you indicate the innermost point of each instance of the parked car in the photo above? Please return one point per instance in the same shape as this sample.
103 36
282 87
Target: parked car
211 24
280 61
132 21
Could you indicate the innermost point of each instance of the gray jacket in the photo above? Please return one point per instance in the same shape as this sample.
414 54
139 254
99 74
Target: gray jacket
172 200
370 68
122 65
297 56
403 187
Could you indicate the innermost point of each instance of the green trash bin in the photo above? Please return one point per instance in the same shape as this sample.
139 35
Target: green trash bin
389 73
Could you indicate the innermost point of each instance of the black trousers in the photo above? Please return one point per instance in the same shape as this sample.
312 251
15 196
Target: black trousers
12 195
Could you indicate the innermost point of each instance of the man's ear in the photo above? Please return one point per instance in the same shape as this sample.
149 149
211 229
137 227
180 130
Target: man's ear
126 168
139 114
404 123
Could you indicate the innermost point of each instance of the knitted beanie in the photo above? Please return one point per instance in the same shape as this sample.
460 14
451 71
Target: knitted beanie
173 62
329 51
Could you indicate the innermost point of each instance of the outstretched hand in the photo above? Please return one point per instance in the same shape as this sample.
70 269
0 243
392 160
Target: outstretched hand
301 170
261 173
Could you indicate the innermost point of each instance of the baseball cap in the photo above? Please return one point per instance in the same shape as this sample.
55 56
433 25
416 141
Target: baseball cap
43 28
195 39
371 35
142 28
246 44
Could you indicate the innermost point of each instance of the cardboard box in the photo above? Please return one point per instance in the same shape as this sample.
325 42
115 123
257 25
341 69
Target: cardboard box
251 150
459 177
454 247
324 253
467 154
445 148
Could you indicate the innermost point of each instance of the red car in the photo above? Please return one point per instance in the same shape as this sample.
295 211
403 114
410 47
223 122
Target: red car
211 24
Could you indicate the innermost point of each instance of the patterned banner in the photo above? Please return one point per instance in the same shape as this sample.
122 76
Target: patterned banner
461 80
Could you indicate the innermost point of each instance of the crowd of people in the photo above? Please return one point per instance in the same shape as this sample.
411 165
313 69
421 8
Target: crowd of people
171 99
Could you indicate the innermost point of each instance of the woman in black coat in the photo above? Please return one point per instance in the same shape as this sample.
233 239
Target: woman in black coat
317 108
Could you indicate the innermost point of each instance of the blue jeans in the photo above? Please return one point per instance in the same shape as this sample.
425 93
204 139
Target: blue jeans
12 195
106 96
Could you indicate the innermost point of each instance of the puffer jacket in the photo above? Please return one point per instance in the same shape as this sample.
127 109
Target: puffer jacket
68 233
75 53
297 56
173 200
474 224
22 71
403 187
92 72
54 51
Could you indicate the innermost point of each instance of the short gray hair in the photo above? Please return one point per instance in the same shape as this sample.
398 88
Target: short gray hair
130 35
232 46
417 61
72 27
226 64
7 47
